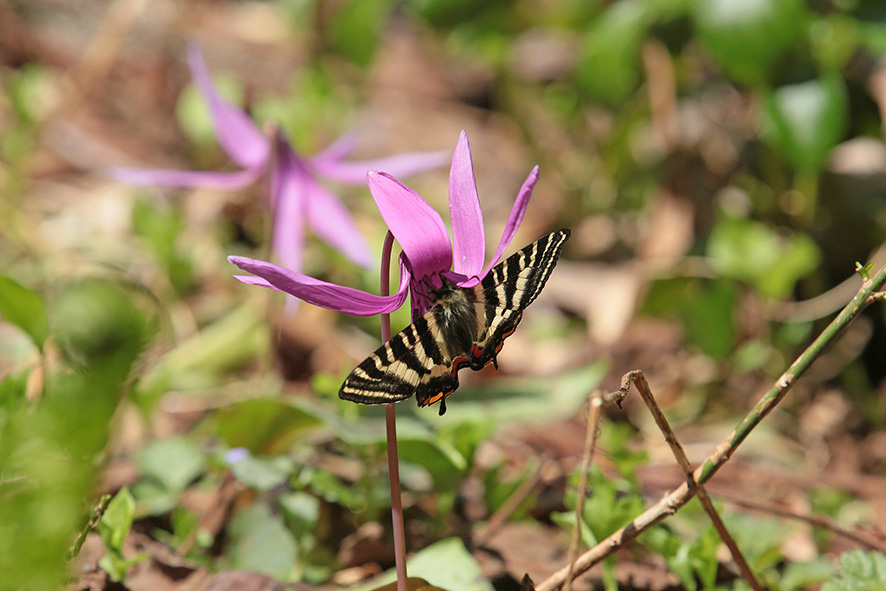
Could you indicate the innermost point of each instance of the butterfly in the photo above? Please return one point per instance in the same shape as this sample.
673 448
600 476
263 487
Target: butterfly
465 327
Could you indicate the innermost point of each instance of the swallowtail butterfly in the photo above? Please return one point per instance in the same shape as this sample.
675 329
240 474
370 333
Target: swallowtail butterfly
465 327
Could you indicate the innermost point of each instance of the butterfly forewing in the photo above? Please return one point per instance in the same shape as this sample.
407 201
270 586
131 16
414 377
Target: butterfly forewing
509 288
424 358
398 368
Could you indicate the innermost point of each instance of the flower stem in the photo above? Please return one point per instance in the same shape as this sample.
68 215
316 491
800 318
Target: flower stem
391 433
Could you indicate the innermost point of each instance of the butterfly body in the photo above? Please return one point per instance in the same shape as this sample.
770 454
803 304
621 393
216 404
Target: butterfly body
466 327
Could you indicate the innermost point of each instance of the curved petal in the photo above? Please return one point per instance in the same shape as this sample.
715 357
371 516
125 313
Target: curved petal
332 222
187 178
416 226
238 135
321 293
468 239
354 171
514 219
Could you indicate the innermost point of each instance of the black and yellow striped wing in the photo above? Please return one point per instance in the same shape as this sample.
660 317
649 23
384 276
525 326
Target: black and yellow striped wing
509 288
464 328
412 362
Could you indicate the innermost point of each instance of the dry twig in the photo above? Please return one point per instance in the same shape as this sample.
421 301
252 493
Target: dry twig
670 503
637 378
596 401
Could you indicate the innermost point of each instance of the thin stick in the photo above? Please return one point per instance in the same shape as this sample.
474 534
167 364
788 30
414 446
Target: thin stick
391 433
595 402
97 514
637 378
670 503
871 542
511 504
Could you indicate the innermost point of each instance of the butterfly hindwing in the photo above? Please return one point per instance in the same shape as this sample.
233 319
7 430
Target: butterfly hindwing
412 362
464 328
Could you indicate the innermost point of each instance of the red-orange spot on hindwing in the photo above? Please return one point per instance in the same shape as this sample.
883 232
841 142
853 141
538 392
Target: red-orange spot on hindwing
457 363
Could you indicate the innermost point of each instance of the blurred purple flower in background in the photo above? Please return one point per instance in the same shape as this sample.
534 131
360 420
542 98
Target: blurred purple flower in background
428 255
297 198
236 455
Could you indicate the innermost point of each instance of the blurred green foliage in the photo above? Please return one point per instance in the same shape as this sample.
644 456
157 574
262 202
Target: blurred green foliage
51 446
113 529
774 85
859 570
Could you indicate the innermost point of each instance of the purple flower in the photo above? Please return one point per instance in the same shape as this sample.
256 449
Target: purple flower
297 198
235 455
428 255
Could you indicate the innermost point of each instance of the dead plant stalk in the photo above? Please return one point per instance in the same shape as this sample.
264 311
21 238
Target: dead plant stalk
670 503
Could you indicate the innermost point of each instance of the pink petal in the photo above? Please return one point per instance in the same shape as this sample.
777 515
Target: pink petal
354 172
468 239
339 149
332 222
416 226
187 178
288 193
514 219
237 134
321 293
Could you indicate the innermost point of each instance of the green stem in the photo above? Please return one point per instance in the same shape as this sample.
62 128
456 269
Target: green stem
670 503
391 433
865 296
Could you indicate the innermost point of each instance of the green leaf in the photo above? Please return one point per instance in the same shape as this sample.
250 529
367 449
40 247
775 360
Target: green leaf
617 440
356 27
99 321
566 520
117 520
154 498
706 308
759 538
116 567
445 564
835 39
49 458
751 251
749 39
263 473
113 529
160 229
609 509
497 490
709 317
13 395
441 460
175 462
259 542
803 575
22 307
859 571
608 66
449 13
799 257
234 339
263 426
328 487
302 511
805 121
